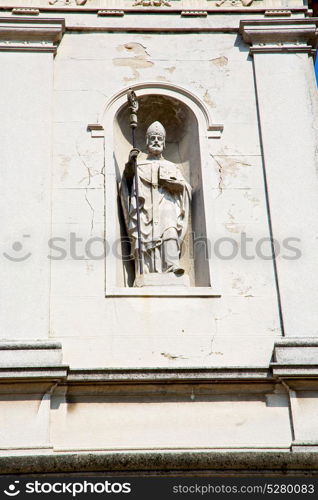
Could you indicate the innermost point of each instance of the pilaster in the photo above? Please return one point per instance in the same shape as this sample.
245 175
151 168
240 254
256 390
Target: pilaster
287 105
27 47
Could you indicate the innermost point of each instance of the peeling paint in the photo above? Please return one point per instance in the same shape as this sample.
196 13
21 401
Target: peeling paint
134 63
234 228
252 199
228 167
207 99
220 61
133 47
238 284
64 162
171 356
137 60
171 69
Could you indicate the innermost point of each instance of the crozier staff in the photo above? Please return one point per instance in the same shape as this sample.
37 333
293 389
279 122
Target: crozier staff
133 106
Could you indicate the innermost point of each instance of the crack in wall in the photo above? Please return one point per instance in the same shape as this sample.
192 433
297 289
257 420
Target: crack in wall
87 187
221 185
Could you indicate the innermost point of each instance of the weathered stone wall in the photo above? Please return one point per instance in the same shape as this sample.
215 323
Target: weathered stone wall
205 370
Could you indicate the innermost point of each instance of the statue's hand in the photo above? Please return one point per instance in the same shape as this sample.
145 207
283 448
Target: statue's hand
173 185
133 154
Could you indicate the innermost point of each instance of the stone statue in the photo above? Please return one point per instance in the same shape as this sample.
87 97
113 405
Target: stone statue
164 204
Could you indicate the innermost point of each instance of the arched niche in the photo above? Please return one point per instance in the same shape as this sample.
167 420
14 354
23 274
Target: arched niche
188 126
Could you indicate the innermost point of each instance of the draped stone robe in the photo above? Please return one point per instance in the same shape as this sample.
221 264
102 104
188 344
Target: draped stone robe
164 204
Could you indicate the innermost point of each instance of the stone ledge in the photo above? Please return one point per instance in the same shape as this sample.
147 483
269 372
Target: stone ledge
274 33
163 291
296 351
26 34
304 446
165 463
33 373
294 370
37 354
158 375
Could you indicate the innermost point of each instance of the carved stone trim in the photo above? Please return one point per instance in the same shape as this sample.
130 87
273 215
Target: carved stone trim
194 13
96 130
266 49
277 13
57 373
111 12
25 34
295 357
36 354
163 375
280 35
25 12
152 3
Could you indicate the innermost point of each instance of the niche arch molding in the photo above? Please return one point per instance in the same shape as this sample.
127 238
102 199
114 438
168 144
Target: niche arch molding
115 285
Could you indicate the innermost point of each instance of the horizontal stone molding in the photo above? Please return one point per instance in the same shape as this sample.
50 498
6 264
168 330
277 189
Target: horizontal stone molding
165 463
25 12
194 13
33 373
30 354
269 49
34 362
17 345
111 12
147 291
304 446
280 35
295 357
294 370
96 130
25 34
158 375
277 13
175 8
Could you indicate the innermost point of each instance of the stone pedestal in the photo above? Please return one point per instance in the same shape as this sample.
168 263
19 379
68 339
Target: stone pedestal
162 280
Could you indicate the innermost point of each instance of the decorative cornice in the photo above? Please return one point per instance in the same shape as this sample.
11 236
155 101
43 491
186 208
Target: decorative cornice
280 35
30 35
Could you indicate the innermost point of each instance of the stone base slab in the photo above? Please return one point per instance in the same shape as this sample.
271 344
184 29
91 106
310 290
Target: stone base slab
162 279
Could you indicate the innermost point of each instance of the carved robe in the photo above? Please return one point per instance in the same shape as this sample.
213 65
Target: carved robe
164 203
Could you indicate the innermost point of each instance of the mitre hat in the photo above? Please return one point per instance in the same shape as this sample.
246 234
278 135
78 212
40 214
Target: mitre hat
156 128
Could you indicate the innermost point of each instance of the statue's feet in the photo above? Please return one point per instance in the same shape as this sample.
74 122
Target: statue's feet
178 271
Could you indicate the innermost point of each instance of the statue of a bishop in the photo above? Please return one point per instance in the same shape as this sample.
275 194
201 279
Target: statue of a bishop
164 203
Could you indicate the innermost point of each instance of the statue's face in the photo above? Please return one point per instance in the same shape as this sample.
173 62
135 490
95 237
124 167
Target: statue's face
155 144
